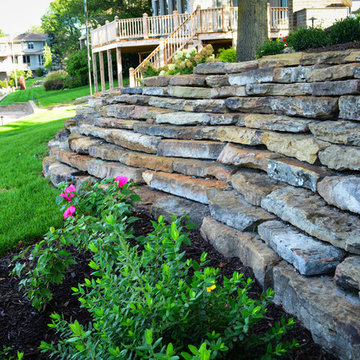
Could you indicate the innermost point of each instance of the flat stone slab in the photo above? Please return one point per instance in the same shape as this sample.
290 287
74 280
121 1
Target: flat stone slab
184 186
192 92
231 209
201 168
225 68
116 123
349 107
244 157
187 80
330 73
117 111
147 112
331 316
81 144
307 255
131 99
216 81
339 157
347 274
59 172
296 173
155 91
173 205
310 213
105 169
146 161
156 81
74 160
107 152
342 192
337 132
303 106
253 185
246 246
190 149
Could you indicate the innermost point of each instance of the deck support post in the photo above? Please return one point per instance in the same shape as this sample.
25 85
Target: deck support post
170 6
176 19
179 6
102 71
146 25
110 69
131 77
225 17
269 20
119 67
162 52
154 4
96 84
162 7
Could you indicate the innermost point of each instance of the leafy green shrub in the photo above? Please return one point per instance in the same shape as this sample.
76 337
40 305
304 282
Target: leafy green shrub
77 68
149 70
271 47
344 30
55 80
228 55
26 74
39 72
303 39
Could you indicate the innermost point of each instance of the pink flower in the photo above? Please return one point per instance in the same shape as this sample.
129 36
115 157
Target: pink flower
69 212
70 188
122 180
68 195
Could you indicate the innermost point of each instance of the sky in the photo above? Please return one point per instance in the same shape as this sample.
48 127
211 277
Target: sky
16 16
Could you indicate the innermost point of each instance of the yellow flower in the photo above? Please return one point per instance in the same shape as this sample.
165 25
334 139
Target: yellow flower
211 288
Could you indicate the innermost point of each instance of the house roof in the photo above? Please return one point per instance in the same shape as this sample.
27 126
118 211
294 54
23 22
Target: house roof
31 37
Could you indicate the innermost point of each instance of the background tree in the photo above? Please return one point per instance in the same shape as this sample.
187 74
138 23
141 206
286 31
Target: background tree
35 29
2 34
252 28
48 58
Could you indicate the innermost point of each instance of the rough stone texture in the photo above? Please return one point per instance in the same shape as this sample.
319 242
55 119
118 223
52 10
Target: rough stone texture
84 112
254 76
107 152
199 168
59 172
301 147
227 91
338 132
216 81
332 88
81 144
190 149
192 92
104 169
299 89
341 157
156 81
116 123
253 185
310 213
69 123
155 91
307 255
117 111
46 163
225 68
342 192
329 314
296 173
241 156
169 131
172 205
246 246
184 118
74 160
159 163
330 57
187 80
148 198
309 107
281 60
231 209
280 123
330 73
347 274
128 99
184 186
291 74
147 112
130 90
349 107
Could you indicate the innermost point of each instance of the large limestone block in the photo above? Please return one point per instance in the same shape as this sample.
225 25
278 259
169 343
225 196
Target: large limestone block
310 213
347 274
330 57
331 317
296 173
47 161
341 157
187 80
338 132
225 68
275 122
349 107
301 147
216 81
200 168
253 185
192 92
231 209
250 77
107 152
147 112
173 205
241 156
128 99
105 169
146 161
246 246
74 160
281 60
190 149
155 91
342 192
291 74
117 111
309 107
307 255
184 186
81 144
335 88
331 73
59 172
85 112
116 123
299 89
156 81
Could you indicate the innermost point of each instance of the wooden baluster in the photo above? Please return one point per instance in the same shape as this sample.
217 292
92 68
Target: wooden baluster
110 69
102 71
96 85
119 67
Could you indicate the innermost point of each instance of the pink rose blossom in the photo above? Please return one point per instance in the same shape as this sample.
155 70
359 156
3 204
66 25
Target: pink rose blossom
122 180
70 188
68 195
69 212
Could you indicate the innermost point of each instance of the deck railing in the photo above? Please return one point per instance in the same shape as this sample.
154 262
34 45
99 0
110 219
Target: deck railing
279 18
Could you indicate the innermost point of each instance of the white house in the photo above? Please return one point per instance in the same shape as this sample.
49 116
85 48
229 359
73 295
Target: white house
23 52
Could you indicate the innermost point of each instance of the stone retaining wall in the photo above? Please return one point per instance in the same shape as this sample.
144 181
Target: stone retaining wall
264 156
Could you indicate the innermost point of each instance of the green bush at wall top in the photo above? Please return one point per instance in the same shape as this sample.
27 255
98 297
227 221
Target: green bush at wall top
303 39
228 55
345 30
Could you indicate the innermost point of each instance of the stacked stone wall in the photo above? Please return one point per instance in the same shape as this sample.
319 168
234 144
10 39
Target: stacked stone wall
264 156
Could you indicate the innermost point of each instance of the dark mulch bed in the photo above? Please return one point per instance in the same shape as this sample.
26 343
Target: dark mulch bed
336 47
23 328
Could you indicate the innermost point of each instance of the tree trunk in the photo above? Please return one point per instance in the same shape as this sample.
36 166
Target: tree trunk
252 28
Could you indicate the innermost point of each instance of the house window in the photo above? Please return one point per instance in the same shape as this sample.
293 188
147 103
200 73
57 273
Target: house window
26 59
30 45
41 60
284 3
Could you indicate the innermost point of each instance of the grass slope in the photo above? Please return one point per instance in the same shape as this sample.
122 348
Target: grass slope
27 202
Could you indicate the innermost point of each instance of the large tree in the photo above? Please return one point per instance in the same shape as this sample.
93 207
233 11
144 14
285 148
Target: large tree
252 28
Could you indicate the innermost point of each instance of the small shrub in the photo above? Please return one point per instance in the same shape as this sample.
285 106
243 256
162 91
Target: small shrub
303 39
344 30
271 47
228 55
77 68
39 72
55 80
149 70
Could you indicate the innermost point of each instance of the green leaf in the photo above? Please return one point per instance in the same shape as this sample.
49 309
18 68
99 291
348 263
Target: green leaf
194 350
148 336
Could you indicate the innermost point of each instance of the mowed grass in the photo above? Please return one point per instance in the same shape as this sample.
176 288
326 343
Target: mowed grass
27 201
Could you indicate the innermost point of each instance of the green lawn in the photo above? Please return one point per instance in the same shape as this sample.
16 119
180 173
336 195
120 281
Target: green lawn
27 201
